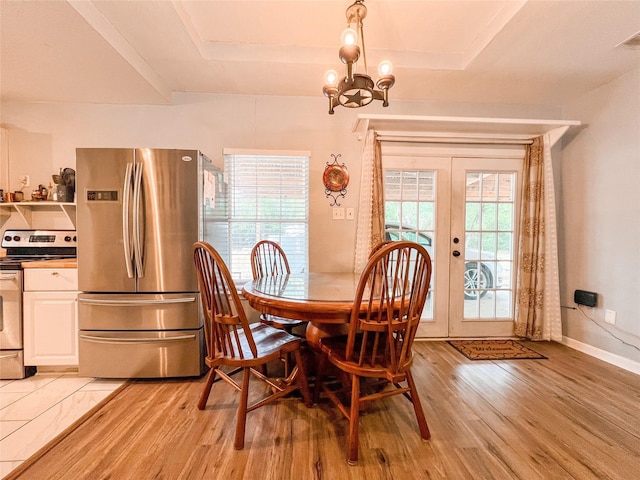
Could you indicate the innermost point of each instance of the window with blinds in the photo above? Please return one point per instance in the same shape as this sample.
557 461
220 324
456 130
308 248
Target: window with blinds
268 200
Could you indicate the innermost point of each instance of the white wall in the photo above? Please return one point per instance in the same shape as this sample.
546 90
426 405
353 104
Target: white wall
43 138
600 216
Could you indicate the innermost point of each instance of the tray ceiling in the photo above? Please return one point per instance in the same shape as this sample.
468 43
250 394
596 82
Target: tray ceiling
142 52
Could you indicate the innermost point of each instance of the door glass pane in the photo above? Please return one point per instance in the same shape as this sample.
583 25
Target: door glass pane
489 236
409 208
488 216
472 217
426 217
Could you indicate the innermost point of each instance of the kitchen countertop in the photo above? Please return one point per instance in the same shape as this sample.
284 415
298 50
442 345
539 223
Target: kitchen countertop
56 263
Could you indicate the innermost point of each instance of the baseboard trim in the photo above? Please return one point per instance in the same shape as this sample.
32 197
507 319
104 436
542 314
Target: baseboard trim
603 355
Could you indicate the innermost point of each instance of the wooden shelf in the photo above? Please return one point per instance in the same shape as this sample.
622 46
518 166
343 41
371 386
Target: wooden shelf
24 209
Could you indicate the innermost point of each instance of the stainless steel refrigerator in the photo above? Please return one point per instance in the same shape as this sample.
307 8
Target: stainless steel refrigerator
139 211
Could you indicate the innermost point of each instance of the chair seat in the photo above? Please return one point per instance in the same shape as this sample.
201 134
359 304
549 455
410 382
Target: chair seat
270 342
335 348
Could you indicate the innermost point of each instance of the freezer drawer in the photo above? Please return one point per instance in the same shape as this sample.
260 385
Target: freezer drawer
113 354
12 365
138 311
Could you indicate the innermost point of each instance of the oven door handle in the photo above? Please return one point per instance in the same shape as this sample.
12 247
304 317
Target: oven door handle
8 276
11 355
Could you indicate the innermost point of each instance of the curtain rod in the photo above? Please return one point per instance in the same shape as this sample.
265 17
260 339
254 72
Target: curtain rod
464 140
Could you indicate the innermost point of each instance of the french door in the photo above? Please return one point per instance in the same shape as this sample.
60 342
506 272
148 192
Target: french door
462 204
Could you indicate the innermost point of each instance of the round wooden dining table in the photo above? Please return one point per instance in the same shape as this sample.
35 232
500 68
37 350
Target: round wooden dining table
323 299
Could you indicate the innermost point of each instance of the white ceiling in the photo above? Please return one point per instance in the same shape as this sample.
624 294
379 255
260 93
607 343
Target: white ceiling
537 52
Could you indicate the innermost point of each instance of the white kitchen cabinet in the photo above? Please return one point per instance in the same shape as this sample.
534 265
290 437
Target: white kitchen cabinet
50 310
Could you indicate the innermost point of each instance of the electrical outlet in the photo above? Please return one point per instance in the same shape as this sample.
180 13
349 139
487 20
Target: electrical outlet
25 181
338 213
610 316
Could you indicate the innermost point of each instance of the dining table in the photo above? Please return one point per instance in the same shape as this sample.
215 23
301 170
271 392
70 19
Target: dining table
324 299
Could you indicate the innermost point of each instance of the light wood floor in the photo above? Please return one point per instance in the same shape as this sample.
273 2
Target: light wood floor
570 416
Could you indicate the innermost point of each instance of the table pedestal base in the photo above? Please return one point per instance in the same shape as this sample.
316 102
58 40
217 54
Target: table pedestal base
316 331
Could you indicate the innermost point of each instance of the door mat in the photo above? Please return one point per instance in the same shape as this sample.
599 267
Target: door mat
494 350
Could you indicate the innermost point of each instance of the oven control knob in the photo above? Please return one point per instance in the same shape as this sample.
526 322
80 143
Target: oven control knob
7 238
67 238
16 238
75 239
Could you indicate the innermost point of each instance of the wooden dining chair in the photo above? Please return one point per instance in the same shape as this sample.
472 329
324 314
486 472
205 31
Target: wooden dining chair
386 311
235 343
268 258
378 246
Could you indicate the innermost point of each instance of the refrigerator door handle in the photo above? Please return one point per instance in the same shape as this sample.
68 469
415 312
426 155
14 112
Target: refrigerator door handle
137 244
88 301
93 338
126 234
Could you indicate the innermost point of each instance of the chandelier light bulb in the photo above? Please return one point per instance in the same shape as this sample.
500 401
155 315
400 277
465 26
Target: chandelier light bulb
349 37
385 68
331 77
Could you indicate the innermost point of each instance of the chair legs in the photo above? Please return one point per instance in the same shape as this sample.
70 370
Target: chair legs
354 415
353 412
354 420
301 379
242 410
207 389
279 390
417 408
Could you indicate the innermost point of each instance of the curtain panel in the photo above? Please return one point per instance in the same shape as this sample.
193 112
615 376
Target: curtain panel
370 226
538 289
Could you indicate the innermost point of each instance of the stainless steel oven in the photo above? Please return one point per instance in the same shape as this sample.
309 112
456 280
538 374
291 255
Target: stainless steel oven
23 246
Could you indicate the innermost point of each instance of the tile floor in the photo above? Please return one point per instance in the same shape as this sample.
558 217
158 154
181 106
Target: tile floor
36 409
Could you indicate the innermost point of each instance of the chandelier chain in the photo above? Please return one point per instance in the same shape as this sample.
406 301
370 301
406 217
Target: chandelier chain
364 50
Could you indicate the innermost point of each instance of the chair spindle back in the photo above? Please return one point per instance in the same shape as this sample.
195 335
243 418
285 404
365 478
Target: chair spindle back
268 258
391 295
224 316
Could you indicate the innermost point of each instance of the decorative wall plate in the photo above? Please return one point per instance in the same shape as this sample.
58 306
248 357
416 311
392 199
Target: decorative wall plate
335 179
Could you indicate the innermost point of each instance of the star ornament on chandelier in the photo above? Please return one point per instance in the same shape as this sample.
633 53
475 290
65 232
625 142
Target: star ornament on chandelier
355 98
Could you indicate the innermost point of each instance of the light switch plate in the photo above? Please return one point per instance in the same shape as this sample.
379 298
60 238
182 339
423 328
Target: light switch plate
350 213
338 213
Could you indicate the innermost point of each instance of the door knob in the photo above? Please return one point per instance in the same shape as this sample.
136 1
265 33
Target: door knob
456 253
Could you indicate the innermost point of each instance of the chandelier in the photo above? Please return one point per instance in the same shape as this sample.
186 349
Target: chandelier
356 90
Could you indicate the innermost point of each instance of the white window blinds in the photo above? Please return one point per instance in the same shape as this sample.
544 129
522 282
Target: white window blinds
268 200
